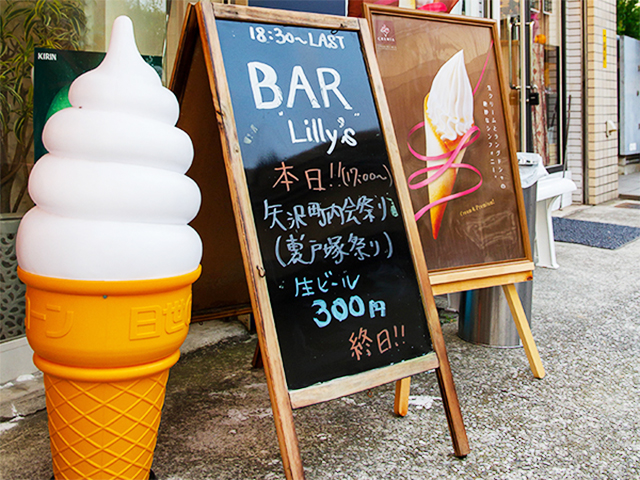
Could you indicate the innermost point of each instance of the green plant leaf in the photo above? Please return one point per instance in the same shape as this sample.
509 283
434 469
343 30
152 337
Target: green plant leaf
629 18
24 25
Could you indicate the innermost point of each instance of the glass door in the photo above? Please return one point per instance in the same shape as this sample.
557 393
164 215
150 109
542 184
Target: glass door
514 53
532 50
545 36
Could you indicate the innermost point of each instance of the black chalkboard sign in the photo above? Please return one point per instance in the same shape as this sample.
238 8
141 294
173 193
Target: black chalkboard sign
304 161
341 280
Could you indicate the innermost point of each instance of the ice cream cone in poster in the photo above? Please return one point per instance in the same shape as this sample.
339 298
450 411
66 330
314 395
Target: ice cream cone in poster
448 117
108 258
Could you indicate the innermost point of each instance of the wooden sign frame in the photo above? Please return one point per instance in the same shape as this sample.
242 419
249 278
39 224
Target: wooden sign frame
438 37
428 40
200 83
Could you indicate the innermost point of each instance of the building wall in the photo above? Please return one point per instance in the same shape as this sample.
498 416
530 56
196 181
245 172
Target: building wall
149 24
574 91
601 102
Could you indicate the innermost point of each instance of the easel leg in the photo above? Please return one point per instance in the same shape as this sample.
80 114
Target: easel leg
287 438
452 410
283 418
451 407
523 330
445 381
401 405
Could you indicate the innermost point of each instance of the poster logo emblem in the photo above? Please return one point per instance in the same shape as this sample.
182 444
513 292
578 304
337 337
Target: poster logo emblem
385 35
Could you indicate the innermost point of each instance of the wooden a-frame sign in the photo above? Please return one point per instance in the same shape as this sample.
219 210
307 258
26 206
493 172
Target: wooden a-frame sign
479 237
296 160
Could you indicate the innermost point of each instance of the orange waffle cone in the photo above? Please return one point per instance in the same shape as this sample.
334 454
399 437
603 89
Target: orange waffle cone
105 349
105 428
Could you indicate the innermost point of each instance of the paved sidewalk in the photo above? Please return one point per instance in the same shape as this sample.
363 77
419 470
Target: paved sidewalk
629 186
582 421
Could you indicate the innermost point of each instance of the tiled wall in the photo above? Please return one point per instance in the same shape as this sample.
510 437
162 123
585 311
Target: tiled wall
574 80
602 102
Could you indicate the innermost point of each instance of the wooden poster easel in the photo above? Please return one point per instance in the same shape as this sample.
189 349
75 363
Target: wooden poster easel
424 41
201 83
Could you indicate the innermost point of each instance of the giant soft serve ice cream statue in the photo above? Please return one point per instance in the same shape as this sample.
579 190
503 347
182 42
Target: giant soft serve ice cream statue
109 259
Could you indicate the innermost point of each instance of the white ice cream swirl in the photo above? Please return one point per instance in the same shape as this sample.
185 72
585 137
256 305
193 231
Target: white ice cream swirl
112 200
450 102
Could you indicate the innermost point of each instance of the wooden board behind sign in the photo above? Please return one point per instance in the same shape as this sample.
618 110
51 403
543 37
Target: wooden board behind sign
221 290
341 297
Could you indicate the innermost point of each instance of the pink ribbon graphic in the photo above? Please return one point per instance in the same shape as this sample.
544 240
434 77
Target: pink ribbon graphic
431 7
451 156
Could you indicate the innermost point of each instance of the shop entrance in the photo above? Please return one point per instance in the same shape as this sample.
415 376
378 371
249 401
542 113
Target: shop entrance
531 42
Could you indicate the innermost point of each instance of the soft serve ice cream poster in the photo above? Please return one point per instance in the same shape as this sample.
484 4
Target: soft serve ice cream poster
442 83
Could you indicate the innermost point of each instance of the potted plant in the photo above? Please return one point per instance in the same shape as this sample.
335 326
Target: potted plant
24 25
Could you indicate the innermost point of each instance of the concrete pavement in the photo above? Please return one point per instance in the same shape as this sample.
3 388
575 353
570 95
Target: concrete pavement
582 421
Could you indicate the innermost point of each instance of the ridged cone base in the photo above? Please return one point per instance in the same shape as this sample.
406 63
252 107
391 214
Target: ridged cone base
104 430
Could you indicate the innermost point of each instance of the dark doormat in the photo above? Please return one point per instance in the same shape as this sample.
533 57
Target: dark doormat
593 234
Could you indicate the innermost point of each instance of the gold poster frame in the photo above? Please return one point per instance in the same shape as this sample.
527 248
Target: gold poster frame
483 240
